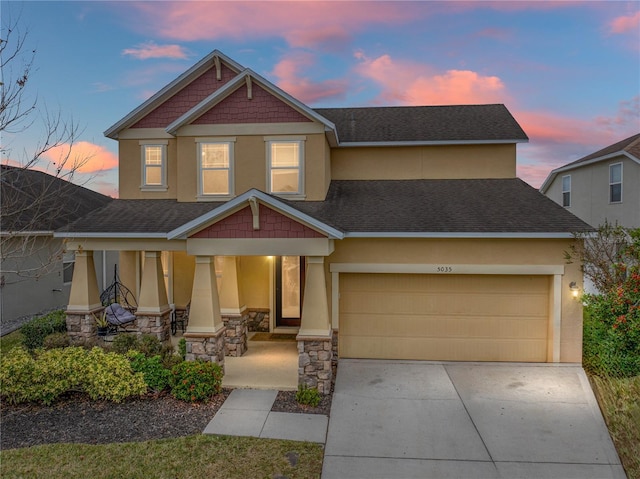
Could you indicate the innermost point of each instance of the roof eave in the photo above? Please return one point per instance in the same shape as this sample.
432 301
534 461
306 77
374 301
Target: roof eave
348 144
467 234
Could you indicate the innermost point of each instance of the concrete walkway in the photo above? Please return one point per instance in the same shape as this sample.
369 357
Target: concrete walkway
458 420
247 412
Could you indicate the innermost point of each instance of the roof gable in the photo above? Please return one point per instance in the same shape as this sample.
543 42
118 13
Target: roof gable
271 224
216 61
629 148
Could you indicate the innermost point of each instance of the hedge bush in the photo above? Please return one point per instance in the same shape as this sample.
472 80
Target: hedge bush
196 380
39 328
45 375
155 374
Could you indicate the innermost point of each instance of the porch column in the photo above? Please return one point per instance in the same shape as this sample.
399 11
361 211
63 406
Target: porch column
232 307
205 330
84 299
153 313
315 335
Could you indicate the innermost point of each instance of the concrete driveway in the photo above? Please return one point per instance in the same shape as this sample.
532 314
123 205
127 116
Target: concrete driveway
411 419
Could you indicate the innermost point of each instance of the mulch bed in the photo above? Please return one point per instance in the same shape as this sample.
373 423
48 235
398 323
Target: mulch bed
77 419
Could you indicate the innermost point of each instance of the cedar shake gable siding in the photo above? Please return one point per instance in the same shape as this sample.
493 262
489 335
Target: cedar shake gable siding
272 225
262 108
185 99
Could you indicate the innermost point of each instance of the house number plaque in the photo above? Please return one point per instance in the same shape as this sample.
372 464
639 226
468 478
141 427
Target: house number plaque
444 269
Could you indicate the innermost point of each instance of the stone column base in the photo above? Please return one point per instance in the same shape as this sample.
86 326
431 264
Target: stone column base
156 324
206 346
314 363
81 326
236 334
258 320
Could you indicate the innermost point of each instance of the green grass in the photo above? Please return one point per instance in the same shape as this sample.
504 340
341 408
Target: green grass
187 457
619 400
10 341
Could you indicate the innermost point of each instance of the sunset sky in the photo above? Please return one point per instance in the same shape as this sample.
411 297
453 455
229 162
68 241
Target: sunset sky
568 71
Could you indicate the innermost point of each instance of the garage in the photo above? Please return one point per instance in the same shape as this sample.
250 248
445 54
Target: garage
451 317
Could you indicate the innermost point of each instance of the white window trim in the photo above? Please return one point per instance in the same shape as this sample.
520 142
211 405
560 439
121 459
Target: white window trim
611 183
230 141
566 191
163 145
300 194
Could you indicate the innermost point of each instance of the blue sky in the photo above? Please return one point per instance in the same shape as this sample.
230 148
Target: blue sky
568 71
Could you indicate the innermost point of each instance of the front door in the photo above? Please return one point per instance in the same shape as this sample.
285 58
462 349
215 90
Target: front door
289 290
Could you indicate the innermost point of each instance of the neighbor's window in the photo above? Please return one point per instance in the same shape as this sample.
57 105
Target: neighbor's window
215 168
615 183
566 190
154 166
67 270
285 160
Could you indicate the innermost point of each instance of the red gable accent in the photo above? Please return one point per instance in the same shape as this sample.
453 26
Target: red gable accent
185 99
272 225
263 108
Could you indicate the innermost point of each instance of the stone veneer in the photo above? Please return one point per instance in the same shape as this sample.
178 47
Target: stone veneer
258 320
314 363
206 347
158 325
82 326
236 333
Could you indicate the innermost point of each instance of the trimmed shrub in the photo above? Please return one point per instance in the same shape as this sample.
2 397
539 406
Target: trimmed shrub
149 345
46 375
196 380
123 343
156 376
39 328
182 348
57 340
308 396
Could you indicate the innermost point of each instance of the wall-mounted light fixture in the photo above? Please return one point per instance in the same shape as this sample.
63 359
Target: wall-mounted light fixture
575 291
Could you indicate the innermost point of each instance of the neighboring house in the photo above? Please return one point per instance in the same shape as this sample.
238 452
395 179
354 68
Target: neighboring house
383 232
36 271
604 185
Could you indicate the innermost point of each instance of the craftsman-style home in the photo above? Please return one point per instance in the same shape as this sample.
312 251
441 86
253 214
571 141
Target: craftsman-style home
383 232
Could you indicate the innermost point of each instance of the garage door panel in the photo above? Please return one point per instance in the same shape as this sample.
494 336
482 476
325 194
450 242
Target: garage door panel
450 317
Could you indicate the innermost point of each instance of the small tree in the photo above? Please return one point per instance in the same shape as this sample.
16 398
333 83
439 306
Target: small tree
606 254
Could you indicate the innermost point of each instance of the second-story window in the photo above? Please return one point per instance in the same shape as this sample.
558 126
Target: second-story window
154 166
285 162
615 183
566 190
215 168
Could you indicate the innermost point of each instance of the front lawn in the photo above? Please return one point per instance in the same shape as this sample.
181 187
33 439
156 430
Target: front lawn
223 457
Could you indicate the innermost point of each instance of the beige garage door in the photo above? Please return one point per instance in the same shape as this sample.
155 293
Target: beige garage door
444 317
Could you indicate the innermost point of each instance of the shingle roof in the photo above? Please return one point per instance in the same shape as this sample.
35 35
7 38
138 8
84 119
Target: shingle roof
35 201
140 216
374 206
425 123
629 145
441 206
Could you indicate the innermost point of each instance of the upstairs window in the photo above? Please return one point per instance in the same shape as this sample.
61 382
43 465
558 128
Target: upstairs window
215 168
154 166
566 191
615 183
285 163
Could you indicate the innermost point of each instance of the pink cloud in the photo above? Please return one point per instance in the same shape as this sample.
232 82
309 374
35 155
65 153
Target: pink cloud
300 23
83 157
287 73
533 174
411 83
624 24
148 50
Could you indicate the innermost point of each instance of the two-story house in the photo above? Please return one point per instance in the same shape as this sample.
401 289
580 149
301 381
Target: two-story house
604 185
383 232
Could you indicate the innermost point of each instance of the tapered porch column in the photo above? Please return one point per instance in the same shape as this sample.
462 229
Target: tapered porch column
153 313
314 337
84 299
232 307
205 330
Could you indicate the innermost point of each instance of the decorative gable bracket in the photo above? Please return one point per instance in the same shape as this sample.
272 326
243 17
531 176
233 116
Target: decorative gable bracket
255 211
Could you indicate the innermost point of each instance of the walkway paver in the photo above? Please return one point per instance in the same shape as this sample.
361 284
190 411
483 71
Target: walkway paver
247 412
